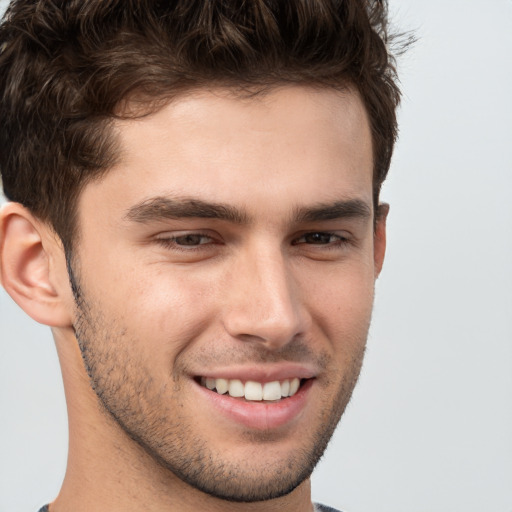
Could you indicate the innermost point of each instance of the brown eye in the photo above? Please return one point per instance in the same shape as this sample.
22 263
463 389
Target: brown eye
319 238
192 239
185 241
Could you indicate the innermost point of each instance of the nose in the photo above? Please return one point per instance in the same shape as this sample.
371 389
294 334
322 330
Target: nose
264 302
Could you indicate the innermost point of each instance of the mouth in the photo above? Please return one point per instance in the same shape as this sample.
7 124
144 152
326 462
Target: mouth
252 391
262 399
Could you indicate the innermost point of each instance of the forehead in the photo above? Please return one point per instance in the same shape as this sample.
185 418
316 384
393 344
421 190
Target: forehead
290 146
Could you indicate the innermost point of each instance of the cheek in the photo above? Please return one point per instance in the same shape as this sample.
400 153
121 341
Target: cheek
341 303
167 309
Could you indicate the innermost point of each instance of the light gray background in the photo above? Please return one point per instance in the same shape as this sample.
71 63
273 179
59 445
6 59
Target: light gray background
429 428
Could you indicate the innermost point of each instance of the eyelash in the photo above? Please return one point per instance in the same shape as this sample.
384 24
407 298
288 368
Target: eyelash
339 241
171 242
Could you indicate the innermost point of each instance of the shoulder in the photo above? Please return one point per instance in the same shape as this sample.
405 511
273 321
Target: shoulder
45 509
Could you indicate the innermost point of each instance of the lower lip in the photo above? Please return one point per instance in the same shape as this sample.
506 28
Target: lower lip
260 415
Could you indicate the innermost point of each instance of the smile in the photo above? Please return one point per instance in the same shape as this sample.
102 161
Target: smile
251 390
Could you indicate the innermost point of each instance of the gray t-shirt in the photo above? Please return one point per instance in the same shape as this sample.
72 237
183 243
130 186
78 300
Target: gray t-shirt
318 508
324 508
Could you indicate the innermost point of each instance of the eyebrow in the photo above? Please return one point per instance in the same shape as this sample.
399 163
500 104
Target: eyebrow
351 208
163 208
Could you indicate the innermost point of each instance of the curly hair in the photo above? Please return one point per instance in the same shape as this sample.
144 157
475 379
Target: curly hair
69 68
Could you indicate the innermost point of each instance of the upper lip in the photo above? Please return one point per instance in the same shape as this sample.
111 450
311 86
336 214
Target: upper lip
260 373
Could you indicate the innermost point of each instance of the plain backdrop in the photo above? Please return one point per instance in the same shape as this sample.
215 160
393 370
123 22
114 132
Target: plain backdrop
429 428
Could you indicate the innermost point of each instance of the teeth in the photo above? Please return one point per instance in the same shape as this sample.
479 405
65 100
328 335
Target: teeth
285 388
221 385
236 388
272 391
294 386
254 391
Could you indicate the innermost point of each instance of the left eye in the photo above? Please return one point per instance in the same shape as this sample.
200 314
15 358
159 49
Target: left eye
191 239
318 238
187 240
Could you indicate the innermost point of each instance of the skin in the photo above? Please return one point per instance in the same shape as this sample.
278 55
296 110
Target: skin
284 283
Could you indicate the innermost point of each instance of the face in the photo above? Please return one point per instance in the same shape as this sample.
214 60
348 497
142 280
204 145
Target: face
225 272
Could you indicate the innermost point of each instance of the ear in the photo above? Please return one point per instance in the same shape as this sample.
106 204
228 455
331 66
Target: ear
32 266
379 242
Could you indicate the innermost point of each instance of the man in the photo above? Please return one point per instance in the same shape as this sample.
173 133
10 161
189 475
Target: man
194 210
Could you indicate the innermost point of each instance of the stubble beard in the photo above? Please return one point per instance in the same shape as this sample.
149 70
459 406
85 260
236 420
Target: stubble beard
127 392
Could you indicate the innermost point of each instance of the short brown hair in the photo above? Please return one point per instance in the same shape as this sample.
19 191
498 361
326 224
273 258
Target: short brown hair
66 66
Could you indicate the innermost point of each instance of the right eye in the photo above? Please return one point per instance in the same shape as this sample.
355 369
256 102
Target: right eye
185 241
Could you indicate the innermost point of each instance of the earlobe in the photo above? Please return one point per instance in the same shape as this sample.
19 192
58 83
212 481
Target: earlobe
379 246
28 266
